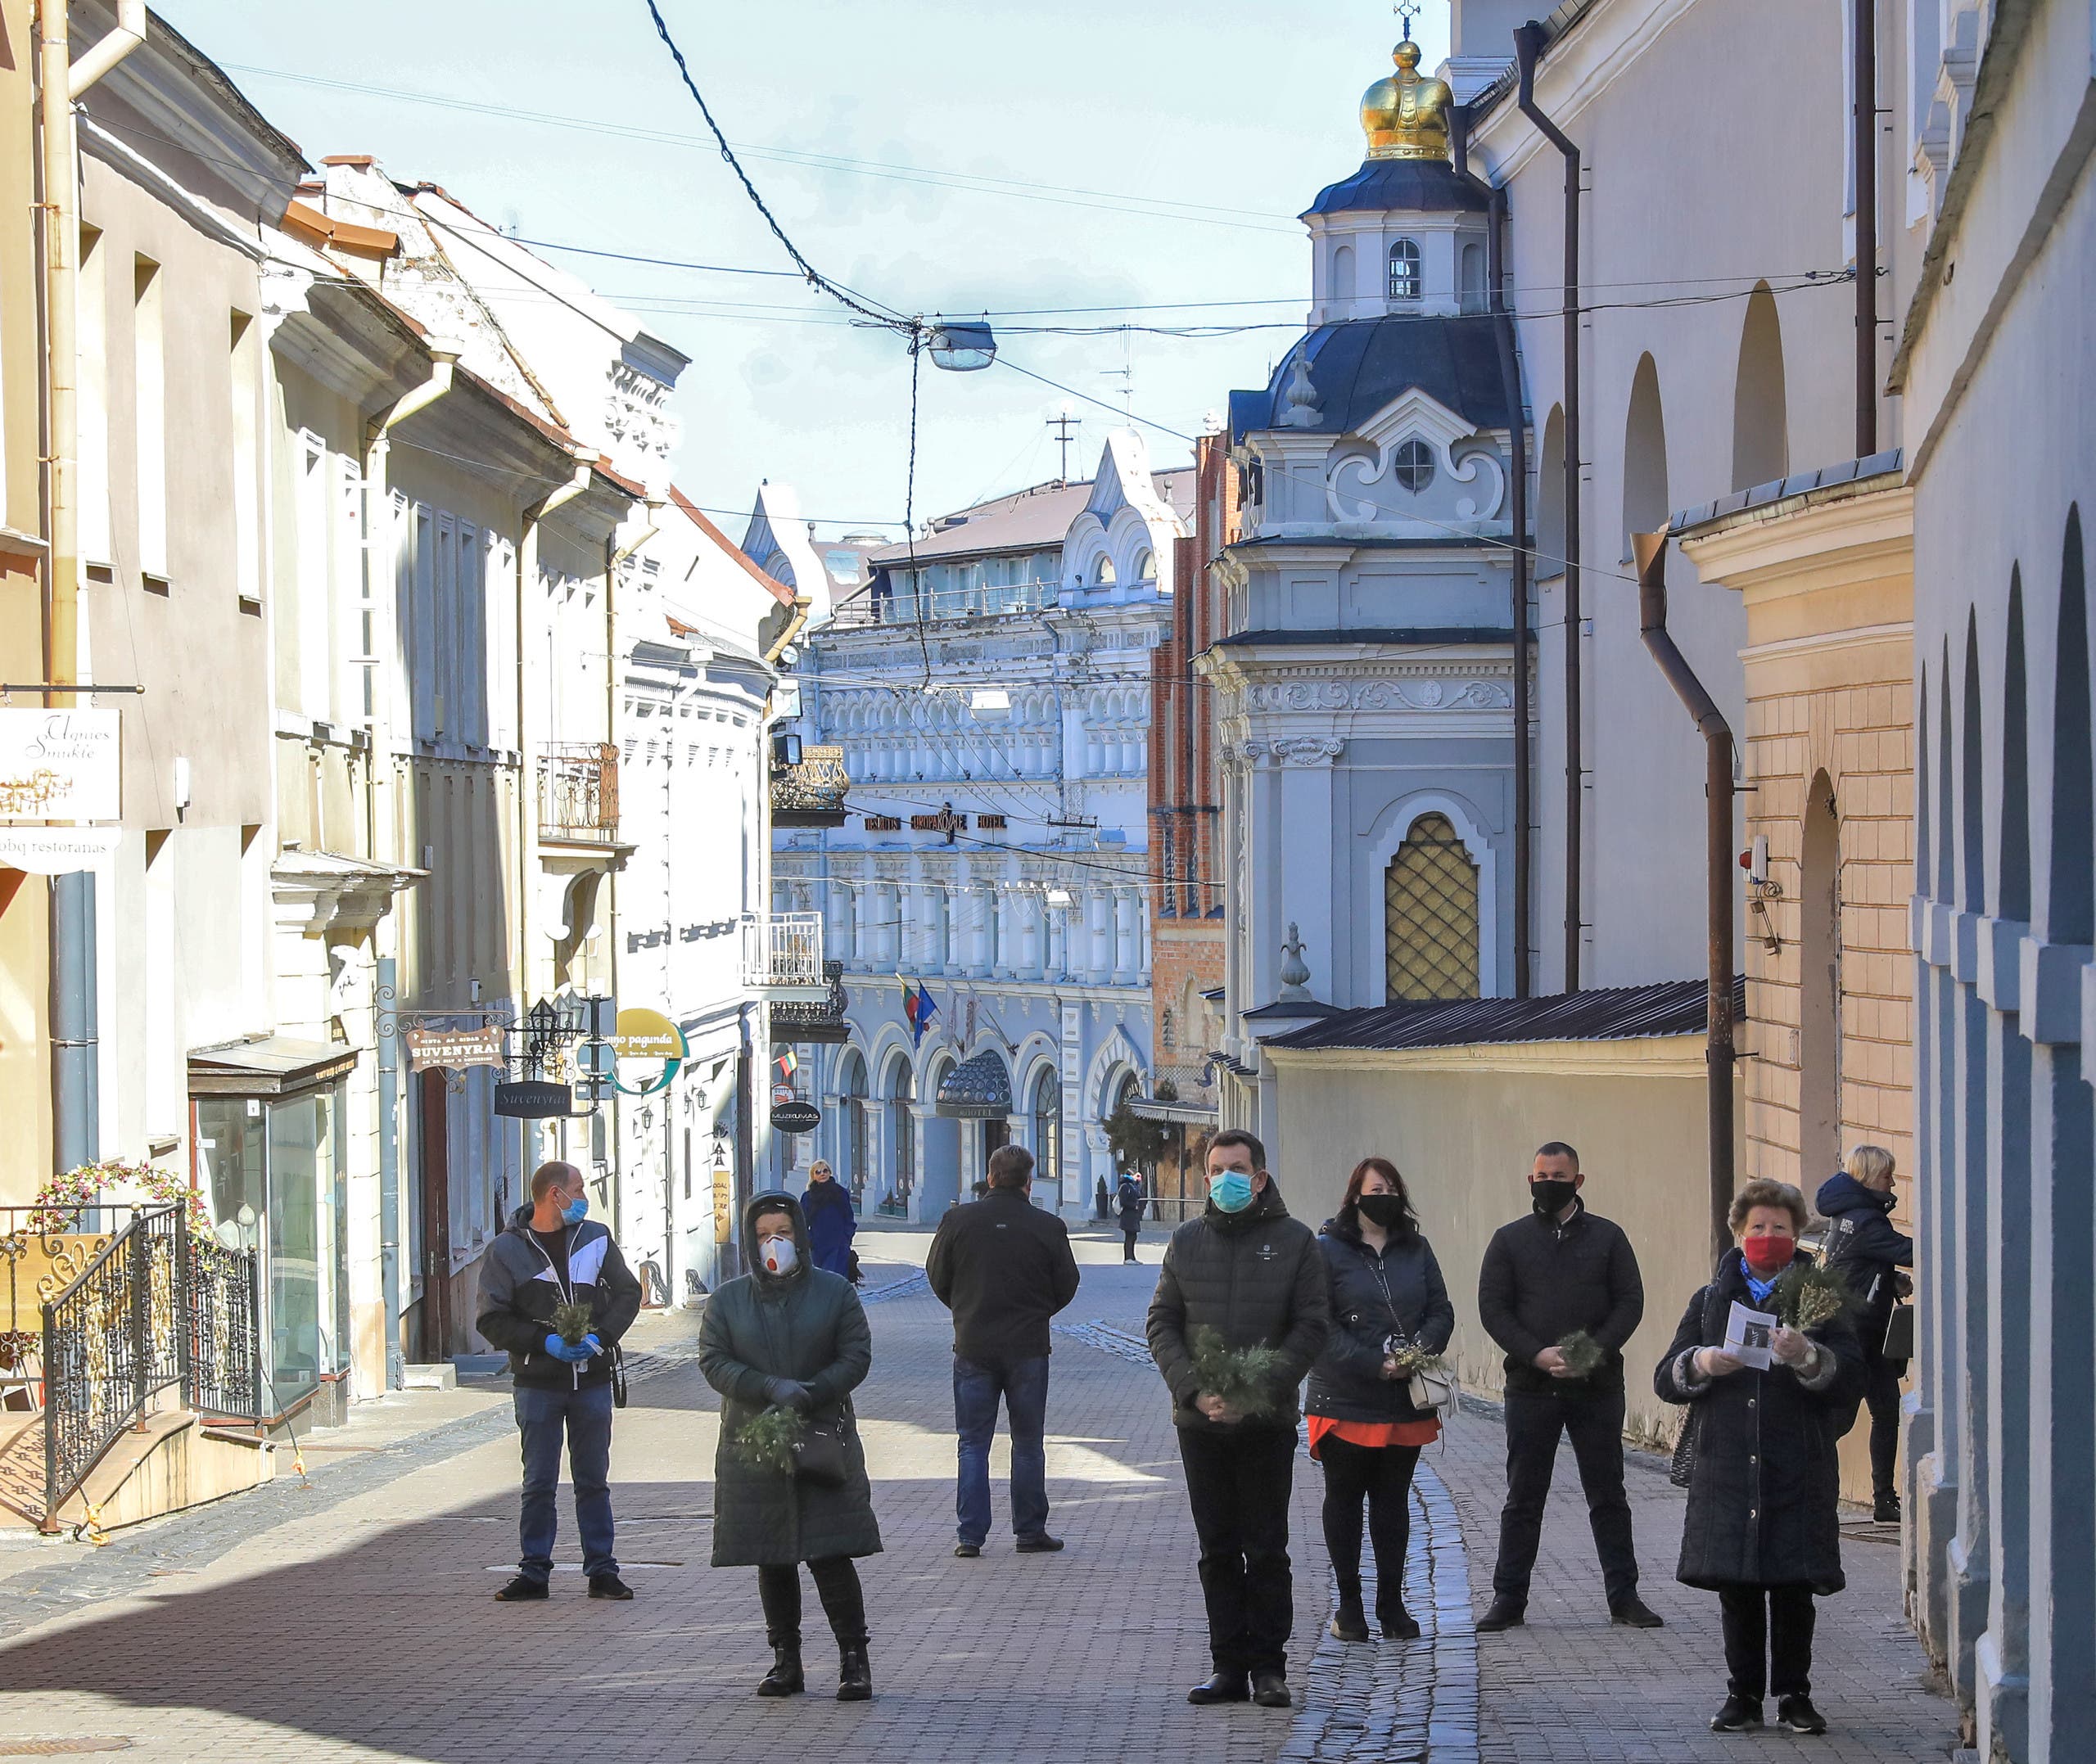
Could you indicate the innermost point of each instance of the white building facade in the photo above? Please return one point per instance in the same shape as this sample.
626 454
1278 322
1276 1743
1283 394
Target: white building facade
989 692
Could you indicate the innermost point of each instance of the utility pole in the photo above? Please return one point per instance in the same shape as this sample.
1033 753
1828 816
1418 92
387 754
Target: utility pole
1063 422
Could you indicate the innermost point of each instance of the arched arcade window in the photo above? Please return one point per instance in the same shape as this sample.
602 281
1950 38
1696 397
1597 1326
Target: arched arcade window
1430 915
1048 1126
1405 270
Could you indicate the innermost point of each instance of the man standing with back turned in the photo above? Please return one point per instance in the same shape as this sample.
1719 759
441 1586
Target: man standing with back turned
553 1253
1252 1274
1561 1271
1003 1267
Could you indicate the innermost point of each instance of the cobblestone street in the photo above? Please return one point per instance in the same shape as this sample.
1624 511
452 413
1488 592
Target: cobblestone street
351 1620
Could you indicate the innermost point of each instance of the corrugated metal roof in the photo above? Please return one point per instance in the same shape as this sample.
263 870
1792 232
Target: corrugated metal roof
1688 522
1617 1013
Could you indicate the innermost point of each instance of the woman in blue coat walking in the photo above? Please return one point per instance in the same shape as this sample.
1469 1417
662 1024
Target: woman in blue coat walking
831 1225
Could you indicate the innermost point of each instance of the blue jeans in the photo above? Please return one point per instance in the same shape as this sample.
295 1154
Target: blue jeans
1024 1385
584 1416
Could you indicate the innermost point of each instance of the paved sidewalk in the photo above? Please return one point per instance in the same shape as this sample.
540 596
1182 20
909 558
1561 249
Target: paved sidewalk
350 1619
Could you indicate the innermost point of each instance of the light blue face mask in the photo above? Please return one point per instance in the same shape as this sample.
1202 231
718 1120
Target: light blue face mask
1231 1191
577 1211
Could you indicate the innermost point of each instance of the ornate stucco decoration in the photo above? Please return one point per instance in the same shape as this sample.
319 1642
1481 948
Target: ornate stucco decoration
1414 417
1427 694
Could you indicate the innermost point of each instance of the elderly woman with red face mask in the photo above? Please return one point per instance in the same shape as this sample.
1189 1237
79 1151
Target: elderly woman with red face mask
1763 1530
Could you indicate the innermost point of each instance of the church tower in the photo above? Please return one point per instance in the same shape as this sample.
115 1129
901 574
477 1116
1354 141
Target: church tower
1363 683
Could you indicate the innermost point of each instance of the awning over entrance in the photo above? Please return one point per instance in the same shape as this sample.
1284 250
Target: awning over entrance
267 1066
979 1089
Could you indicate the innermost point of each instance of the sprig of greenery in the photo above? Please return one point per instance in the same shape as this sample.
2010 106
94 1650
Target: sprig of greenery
767 1441
1242 1377
1411 1359
1584 1356
1808 1296
572 1321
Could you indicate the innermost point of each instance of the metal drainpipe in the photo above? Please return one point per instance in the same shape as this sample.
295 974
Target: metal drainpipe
389 1161
1528 43
1718 788
1862 59
1517 438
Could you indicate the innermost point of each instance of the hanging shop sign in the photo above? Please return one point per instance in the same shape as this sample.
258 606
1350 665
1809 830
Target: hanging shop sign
645 1036
454 1049
796 1117
534 1099
60 765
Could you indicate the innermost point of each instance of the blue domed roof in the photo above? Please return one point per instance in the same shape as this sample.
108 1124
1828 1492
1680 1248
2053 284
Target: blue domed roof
1359 367
1423 186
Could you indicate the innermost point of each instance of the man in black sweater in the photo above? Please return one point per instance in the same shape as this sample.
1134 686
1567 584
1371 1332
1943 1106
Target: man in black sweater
1003 1267
1562 1271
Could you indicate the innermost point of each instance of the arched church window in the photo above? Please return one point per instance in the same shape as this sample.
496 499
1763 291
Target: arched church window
1414 467
1404 270
1103 576
1146 566
1430 915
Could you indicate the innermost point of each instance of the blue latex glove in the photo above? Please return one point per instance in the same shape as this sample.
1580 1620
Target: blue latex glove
789 1393
561 1349
593 1344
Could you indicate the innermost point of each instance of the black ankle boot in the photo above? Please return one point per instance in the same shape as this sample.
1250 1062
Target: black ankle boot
786 1678
1349 1622
855 1672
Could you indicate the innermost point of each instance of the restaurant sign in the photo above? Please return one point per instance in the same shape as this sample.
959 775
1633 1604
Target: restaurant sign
60 765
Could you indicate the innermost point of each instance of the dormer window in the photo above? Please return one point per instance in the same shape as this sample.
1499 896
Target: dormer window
1146 566
1103 576
1404 270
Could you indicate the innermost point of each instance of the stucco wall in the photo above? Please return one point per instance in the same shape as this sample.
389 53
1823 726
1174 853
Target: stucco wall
1463 1125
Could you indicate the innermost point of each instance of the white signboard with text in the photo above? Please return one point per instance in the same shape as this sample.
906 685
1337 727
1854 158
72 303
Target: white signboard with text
60 765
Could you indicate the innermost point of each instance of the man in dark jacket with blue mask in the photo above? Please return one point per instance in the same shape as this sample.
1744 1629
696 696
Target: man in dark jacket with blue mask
1862 1243
553 1254
1254 1276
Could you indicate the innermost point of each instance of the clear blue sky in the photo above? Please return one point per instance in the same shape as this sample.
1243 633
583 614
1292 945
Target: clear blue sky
1242 106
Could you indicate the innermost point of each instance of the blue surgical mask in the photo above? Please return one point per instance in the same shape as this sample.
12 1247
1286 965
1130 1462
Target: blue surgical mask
1231 1191
577 1209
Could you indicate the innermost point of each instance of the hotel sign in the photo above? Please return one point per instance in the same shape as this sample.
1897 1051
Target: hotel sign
60 765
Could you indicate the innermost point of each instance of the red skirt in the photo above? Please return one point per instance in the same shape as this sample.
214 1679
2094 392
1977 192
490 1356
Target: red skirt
1374 1433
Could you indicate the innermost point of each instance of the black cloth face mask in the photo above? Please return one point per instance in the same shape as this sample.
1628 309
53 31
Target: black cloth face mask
1385 1211
1551 1196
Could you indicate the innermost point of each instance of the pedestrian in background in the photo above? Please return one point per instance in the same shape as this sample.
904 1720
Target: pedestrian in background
1128 1199
1387 1294
1003 1266
1562 1270
832 1223
788 1335
1247 1271
1862 1243
1763 1530
553 1253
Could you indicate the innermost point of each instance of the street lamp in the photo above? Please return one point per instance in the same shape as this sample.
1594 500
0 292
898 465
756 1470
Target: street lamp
961 348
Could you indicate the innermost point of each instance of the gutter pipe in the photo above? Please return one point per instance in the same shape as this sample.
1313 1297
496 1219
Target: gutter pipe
1862 61
1718 790
1528 44
1517 441
72 1027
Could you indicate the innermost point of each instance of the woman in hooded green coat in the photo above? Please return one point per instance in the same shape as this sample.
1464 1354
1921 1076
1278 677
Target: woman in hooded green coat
789 1335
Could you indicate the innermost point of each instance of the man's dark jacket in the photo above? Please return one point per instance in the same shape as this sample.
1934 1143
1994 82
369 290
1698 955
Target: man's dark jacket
1003 1267
1541 1280
519 1289
1257 1278
1861 1242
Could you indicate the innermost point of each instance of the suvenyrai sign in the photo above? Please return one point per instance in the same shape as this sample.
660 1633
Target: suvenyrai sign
60 765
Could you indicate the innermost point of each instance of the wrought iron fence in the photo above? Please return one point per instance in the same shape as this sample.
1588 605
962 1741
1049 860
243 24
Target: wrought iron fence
156 1306
797 1023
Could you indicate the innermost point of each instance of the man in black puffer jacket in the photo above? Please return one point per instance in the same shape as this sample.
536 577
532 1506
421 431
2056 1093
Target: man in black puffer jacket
1247 1271
1863 1244
1559 1271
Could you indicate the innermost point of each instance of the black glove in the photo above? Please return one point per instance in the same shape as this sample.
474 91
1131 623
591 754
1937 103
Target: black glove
789 1393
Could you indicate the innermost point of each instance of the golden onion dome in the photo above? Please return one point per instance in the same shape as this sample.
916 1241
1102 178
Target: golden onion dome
1406 117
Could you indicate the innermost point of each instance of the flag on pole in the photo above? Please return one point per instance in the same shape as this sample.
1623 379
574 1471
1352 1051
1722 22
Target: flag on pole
788 1065
917 1006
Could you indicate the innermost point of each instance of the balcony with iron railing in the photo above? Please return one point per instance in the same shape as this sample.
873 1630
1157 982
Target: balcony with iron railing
795 1023
808 784
579 793
782 958
989 600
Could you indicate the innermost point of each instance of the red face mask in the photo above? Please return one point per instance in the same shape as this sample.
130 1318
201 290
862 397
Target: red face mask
1769 1255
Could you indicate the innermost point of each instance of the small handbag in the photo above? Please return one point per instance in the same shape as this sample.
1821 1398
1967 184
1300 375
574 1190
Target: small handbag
1899 1334
821 1457
1432 1389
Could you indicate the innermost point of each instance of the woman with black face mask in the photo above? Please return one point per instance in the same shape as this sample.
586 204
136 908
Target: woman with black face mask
1387 1295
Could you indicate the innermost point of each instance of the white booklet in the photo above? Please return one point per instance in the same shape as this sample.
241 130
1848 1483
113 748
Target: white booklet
1746 1335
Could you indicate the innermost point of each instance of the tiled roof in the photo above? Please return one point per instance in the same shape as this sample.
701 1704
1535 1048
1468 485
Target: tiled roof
1616 1013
